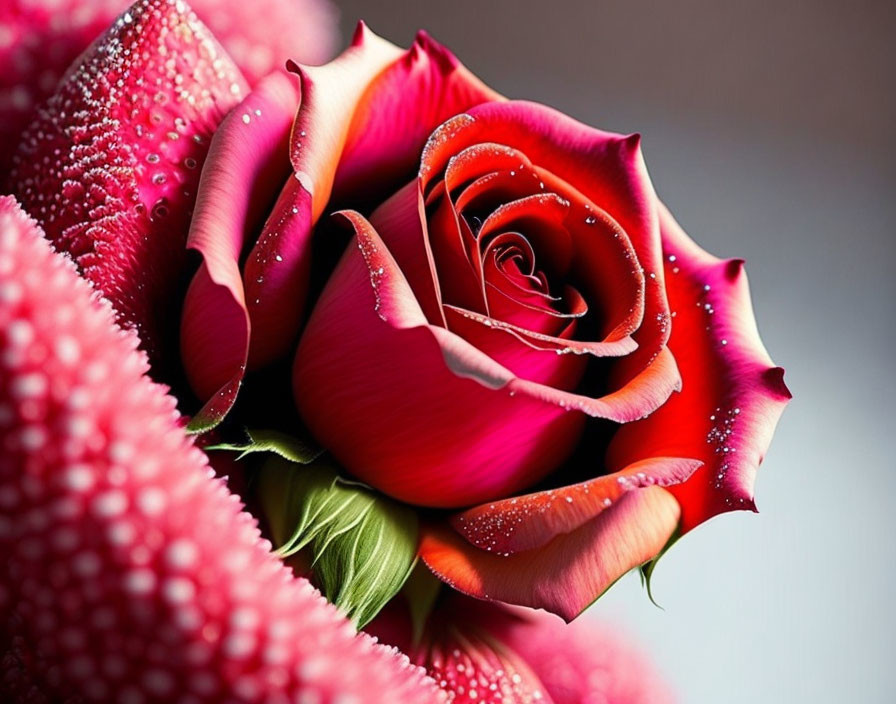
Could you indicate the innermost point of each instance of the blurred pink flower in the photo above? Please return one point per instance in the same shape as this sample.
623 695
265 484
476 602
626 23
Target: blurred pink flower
486 652
130 574
39 39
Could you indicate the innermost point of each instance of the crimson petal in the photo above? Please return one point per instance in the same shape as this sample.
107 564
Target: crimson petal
732 394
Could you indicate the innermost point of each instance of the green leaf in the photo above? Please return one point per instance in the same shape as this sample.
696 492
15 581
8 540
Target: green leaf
363 544
288 447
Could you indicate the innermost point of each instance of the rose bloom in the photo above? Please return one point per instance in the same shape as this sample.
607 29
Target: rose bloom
488 312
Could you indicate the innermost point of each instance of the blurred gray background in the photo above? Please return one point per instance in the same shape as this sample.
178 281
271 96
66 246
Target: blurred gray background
770 130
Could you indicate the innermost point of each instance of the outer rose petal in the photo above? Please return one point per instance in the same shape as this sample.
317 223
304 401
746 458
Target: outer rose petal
247 164
351 115
732 394
568 573
46 36
129 573
111 164
530 521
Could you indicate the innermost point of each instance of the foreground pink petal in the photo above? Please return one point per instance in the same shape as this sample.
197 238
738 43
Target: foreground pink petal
732 394
484 653
42 38
129 573
110 164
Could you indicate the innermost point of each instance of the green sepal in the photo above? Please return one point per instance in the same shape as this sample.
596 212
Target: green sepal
646 570
287 446
421 591
363 545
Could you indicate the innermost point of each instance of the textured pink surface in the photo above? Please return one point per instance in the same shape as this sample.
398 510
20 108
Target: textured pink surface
39 39
110 166
501 655
130 574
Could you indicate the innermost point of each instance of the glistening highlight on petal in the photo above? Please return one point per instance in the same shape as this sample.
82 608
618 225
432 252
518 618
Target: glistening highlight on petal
732 394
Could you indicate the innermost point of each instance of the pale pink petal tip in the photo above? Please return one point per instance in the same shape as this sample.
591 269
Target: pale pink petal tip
129 573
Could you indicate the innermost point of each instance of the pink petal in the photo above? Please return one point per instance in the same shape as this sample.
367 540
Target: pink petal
732 394
531 521
403 106
412 408
263 35
572 570
129 573
247 164
111 164
46 36
351 136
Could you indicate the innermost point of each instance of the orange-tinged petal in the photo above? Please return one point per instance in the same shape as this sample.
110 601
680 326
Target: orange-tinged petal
572 570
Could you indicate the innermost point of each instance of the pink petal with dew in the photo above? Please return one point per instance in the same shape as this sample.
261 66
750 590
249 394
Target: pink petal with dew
110 165
567 574
247 164
40 39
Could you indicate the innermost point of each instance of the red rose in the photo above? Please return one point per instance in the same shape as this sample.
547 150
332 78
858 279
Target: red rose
515 312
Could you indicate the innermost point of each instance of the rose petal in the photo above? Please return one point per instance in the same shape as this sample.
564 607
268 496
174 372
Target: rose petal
531 521
351 134
110 165
400 110
409 407
732 394
129 572
246 166
401 223
511 349
572 570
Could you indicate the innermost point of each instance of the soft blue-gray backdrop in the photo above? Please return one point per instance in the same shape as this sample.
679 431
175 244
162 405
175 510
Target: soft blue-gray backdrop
770 130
